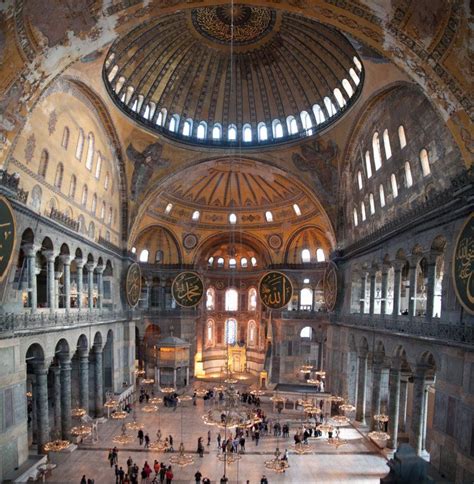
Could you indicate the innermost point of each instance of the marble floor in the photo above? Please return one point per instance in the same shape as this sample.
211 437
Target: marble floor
357 462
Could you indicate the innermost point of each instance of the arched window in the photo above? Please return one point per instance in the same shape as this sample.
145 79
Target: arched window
368 164
306 332
84 196
119 85
268 216
401 136
305 256
243 262
330 108
320 257
91 230
174 123
247 133
277 128
102 211
252 303
94 204
356 218
90 151
152 107
82 224
106 181
43 165
357 63
393 182
210 299
339 97
297 209
210 261
158 256
376 151
386 145
220 262
168 208
347 87
354 76
58 179
146 114
306 299
65 140
382 196
232 263
80 144
362 210
371 203
306 122
128 96
318 114
232 133
253 260
135 105
408 177
359 179
112 73
161 118
201 132
109 218
187 127
72 186
425 162
210 333
292 125
217 131
230 332
231 300
134 250
262 132
252 336
196 215
232 218
144 255
98 166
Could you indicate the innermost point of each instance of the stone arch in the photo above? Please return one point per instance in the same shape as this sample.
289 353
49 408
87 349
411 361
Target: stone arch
35 353
311 238
82 342
98 339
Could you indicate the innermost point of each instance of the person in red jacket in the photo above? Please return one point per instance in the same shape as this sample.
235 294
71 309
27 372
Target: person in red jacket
169 475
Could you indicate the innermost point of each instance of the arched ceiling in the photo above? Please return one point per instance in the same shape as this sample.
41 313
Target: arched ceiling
229 66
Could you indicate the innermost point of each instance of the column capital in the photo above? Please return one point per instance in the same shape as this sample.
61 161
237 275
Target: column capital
55 369
100 269
50 255
414 259
40 368
97 348
79 262
30 250
65 259
83 353
64 358
398 265
362 354
90 266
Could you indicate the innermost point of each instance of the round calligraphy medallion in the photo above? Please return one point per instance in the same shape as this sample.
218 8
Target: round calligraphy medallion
463 265
7 236
330 286
275 290
187 289
274 241
190 241
133 284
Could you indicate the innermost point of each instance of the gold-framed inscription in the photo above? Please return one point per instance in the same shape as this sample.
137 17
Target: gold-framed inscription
330 286
133 284
7 236
187 289
275 290
463 265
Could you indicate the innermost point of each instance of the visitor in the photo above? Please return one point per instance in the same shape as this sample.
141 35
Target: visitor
206 480
117 474
140 436
171 443
198 476
147 441
200 447
156 467
257 437
219 438
162 473
169 475
121 474
110 458
264 479
208 438
83 480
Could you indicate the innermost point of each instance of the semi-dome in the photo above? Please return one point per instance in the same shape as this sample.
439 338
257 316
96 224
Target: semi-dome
240 75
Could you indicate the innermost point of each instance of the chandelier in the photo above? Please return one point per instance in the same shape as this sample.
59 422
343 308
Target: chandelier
320 373
134 425
119 415
337 399
184 398
379 433
257 393
159 445
139 373
229 457
301 448
81 430
200 392
347 408
306 368
148 381
156 400
149 408
78 412
340 420
168 389
56 445
277 464
123 438
181 459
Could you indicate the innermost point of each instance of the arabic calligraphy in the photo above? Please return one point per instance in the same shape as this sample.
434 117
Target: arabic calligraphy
275 290
7 236
187 289
463 265
133 287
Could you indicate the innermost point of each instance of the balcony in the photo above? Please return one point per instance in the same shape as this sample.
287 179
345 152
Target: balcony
306 313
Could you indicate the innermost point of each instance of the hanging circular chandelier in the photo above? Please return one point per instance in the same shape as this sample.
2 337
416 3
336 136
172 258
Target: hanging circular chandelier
155 400
200 392
148 381
184 398
168 389
81 430
110 404
257 393
277 464
78 412
347 408
340 420
56 445
134 425
320 373
337 399
150 408
181 459
122 439
229 457
382 418
119 415
159 445
379 435
139 373
301 448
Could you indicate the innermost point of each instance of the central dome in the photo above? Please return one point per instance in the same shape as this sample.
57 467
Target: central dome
233 75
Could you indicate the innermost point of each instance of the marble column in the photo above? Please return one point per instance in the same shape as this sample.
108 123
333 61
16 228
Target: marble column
397 279
84 379
162 295
376 379
402 416
80 278
430 287
149 285
50 256
42 411
383 301
98 382
363 282
90 266
393 406
418 410
412 292
372 293
65 363
66 260
57 399
100 286
362 388
30 252
57 277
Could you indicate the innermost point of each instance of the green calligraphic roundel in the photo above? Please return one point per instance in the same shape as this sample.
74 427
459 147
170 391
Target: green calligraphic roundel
463 265
133 284
187 289
7 236
275 290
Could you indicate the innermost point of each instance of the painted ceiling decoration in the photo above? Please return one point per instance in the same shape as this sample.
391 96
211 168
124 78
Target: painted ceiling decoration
234 75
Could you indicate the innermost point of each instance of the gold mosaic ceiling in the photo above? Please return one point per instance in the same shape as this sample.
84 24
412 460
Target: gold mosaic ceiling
236 66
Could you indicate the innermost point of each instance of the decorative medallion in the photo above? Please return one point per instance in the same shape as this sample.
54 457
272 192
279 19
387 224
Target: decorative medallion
241 23
330 286
275 290
133 284
7 236
190 241
219 285
187 289
463 265
274 241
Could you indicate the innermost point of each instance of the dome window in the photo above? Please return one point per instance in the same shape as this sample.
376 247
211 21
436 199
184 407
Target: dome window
232 218
408 177
262 132
243 262
356 218
330 108
376 151
402 137
357 63
297 209
306 122
347 87
425 162
253 260
393 181
220 262
247 133
305 256
210 261
292 125
354 76
368 164
268 216
196 215
232 263
382 196
187 127
174 122
362 210
339 97
161 118
134 250
318 114
371 204
168 208
277 129
232 133
386 145
202 130
144 255
359 179
112 73
217 132
320 257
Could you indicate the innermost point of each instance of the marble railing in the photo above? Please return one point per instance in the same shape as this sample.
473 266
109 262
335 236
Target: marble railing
42 319
412 326
176 312
302 314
